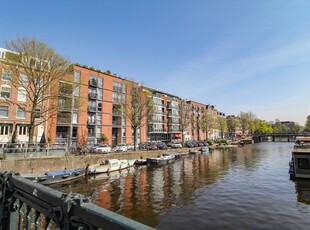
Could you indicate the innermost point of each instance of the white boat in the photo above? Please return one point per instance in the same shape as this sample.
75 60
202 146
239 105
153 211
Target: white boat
111 165
300 163
164 159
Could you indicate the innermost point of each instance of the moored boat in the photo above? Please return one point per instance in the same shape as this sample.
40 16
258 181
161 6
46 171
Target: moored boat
299 166
111 165
56 177
164 159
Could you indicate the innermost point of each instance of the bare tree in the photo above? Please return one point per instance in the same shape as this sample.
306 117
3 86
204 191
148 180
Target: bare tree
185 117
138 108
36 70
232 125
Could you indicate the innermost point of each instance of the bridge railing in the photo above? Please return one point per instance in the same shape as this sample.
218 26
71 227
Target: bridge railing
28 205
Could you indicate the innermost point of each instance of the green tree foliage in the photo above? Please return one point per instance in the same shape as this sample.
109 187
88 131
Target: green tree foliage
222 125
207 122
233 124
264 127
248 122
307 125
278 127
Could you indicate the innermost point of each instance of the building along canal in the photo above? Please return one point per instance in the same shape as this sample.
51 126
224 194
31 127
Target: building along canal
242 188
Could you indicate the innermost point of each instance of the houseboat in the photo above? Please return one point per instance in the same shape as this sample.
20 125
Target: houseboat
300 163
110 165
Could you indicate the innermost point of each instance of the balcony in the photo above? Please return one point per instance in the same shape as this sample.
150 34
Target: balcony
93 83
116 112
152 130
91 122
93 96
173 130
92 109
116 123
63 120
170 114
157 121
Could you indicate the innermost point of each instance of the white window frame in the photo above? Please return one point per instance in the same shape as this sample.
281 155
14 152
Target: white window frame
23 79
5 130
5 73
4 106
22 94
22 130
5 86
19 110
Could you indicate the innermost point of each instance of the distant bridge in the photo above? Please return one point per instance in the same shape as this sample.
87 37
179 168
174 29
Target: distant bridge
274 136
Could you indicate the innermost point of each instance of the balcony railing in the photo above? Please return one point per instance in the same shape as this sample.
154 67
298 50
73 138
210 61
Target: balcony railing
173 130
117 123
151 130
92 109
170 114
93 96
91 122
29 205
63 120
93 83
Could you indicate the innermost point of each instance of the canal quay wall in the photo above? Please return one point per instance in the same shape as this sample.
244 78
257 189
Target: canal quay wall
53 163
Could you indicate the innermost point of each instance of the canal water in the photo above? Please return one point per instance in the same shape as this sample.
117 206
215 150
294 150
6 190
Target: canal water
242 188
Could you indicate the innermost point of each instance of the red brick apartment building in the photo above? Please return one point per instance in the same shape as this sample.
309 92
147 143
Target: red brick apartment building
95 110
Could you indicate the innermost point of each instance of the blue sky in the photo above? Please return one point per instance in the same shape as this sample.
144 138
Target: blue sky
238 55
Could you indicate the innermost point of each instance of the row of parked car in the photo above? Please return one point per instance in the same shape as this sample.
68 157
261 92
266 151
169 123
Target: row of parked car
104 148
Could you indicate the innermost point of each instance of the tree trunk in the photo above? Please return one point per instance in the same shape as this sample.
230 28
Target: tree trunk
134 137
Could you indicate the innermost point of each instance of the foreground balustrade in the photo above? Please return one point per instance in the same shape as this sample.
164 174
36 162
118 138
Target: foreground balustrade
28 205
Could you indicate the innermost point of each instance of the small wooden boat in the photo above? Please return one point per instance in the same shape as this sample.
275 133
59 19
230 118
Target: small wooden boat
164 159
111 165
56 177
178 155
141 162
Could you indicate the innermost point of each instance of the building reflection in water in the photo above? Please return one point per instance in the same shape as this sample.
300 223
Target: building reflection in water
303 190
144 193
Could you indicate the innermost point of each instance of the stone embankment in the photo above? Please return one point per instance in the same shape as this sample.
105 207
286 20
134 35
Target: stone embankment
52 163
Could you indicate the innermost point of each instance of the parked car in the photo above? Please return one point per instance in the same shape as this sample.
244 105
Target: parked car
143 146
189 144
131 147
176 145
151 146
162 145
120 148
102 149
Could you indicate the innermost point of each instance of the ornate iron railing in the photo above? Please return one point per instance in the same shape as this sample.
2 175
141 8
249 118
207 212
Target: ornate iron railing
28 205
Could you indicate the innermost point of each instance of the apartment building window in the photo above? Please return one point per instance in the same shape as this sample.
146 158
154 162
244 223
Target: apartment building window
74 118
7 75
21 113
98 132
100 94
77 76
5 91
4 111
76 91
100 82
22 94
37 113
5 130
99 120
22 130
99 107
23 79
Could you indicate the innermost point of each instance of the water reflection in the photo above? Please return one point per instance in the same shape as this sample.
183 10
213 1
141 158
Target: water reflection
303 190
221 180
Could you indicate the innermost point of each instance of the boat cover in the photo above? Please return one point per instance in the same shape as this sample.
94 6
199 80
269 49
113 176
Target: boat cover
63 172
